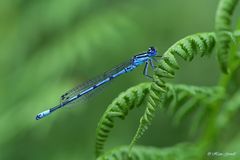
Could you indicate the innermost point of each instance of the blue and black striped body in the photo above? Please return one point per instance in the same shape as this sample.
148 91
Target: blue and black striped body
90 86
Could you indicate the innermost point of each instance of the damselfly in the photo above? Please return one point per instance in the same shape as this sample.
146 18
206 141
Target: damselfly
90 86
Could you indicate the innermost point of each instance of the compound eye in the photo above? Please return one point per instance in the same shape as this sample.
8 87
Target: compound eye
151 49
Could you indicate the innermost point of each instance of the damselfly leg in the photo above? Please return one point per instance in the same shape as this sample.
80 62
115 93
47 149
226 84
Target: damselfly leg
145 71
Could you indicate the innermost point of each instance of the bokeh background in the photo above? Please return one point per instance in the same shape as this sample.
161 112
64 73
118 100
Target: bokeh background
48 47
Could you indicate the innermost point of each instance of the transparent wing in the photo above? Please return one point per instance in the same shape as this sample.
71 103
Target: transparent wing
82 87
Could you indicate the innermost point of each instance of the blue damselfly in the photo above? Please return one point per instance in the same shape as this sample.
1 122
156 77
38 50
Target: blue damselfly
89 86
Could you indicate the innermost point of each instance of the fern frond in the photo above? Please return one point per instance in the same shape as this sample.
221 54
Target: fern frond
223 29
183 100
183 151
187 98
119 108
187 48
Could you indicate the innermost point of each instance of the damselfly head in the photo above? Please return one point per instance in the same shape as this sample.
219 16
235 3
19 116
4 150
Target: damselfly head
152 51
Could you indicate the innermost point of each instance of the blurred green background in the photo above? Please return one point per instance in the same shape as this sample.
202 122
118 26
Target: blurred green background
48 47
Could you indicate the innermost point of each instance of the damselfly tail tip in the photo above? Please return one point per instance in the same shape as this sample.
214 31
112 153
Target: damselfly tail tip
43 114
